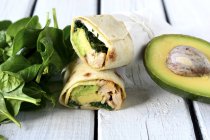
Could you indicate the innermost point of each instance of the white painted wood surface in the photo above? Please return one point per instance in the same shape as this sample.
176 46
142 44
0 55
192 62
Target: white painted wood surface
60 122
14 10
196 17
149 112
65 9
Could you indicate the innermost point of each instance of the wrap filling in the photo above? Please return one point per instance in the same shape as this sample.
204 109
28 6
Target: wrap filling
88 45
105 94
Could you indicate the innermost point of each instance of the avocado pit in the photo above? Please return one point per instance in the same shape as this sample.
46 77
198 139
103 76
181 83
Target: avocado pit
188 61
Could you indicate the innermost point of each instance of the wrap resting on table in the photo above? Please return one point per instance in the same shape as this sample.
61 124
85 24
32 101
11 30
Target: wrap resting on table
101 41
87 88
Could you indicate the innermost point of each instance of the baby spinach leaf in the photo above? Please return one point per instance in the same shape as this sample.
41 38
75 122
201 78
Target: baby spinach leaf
33 90
4 113
3 118
34 23
66 35
2 137
29 22
71 53
3 42
14 28
9 81
56 37
1 55
5 24
9 40
13 106
15 64
25 38
35 58
100 105
29 73
95 43
73 104
50 94
49 56
19 95
7 52
36 91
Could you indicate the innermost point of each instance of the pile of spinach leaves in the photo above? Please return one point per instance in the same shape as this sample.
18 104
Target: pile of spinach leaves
29 56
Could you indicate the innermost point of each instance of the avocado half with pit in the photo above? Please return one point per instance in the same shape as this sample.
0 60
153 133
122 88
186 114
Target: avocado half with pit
180 64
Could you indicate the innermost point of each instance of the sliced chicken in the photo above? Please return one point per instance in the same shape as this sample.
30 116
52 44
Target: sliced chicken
95 59
111 94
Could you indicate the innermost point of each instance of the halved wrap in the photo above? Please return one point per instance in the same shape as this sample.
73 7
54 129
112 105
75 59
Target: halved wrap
87 88
101 41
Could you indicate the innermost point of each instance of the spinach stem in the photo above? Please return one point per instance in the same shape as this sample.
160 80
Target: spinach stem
55 18
48 20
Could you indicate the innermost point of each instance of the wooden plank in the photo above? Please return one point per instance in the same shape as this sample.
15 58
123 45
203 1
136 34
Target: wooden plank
149 112
190 12
143 7
65 10
196 17
14 10
60 122
52 123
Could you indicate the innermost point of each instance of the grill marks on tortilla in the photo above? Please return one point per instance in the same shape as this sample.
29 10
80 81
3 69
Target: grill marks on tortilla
87 74
112 55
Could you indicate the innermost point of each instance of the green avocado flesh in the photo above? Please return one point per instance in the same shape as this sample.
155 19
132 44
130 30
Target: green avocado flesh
85 40
156 54
83 95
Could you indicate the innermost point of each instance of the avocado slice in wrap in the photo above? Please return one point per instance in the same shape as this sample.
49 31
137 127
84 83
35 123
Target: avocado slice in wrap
87 88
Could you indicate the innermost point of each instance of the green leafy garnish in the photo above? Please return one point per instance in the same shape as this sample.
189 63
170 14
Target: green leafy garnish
100 105
2 137
29 56
73 104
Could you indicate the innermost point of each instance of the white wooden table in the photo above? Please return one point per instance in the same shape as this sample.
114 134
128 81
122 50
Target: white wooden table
149 112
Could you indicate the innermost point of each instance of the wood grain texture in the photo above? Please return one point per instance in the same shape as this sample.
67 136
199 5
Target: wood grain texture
14 10
143 7
51 124
60 122
149 112
190 12
65 9
195 17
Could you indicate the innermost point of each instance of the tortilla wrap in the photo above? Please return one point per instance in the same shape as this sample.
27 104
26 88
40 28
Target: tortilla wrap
105 31
110 92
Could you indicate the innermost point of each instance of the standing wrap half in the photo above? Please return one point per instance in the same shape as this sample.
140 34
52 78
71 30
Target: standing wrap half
87 88
101 41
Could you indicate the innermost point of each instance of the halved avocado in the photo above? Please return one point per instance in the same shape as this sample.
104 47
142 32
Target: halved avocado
155 57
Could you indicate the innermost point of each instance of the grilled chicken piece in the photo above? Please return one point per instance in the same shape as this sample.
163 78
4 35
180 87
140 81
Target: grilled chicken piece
117 99
95 59
112 95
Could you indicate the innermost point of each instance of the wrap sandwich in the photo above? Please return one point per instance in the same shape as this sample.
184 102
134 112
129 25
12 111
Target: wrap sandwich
101 41
87 88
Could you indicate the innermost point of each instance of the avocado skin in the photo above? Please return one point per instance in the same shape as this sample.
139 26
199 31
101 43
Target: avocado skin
163 84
